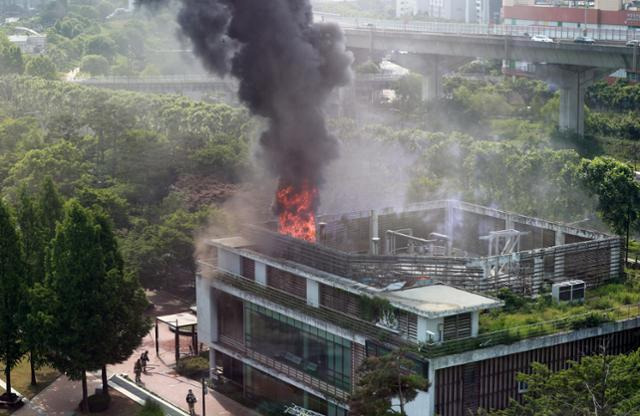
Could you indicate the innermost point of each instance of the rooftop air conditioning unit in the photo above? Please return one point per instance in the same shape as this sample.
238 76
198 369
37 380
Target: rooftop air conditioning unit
569 291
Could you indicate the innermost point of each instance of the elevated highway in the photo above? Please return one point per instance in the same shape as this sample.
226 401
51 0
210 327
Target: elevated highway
426 47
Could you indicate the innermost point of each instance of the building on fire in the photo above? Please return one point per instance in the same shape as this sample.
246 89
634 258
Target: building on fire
289 321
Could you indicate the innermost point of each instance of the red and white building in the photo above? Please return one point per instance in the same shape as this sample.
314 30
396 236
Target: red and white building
595 14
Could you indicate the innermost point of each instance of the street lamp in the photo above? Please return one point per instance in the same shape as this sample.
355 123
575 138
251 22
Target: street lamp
205 390
585 17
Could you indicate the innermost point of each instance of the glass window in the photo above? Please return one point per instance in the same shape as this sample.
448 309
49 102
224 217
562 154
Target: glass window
296 344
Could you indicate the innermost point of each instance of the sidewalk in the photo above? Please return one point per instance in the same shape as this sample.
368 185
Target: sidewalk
163 381
60 398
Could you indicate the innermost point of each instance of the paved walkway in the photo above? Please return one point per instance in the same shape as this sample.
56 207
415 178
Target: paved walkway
61 398
163 381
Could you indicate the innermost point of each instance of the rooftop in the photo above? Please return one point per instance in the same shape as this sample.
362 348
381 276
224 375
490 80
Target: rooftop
439 300
467 246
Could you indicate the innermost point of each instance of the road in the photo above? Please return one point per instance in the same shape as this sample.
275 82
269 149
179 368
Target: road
554 32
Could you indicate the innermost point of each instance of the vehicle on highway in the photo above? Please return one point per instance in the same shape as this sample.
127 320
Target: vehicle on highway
633 43
541 38
584 39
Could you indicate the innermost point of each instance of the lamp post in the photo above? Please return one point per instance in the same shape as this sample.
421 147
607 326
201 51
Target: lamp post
205 390
585 17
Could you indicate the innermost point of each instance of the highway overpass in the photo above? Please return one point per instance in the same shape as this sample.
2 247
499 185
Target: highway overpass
425 47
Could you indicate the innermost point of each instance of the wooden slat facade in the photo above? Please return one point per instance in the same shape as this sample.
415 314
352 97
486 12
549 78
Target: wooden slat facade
287 282
247 268
457 326
491 383
340 300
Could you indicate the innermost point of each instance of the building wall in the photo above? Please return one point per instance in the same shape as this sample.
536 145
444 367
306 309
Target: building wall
573 15
491 383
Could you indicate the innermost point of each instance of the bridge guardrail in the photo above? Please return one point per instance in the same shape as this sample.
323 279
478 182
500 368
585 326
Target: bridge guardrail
555 32
204 79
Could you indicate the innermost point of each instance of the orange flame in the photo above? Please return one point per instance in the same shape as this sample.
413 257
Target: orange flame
296 206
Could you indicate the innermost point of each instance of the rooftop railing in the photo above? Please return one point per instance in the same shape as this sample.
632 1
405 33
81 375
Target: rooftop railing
518 333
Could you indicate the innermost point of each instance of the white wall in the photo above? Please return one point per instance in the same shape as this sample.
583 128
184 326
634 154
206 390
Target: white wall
261 273
207 321
475 323
431 325
313 293
417 407
228 261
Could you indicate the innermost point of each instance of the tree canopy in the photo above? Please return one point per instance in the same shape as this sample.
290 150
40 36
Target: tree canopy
386 384
12 293
599 385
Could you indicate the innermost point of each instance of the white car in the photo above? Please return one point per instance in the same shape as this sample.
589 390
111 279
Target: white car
541 38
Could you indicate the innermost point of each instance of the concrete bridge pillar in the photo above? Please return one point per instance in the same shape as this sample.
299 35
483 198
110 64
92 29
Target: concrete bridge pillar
431 79
572 105
430 67
573 82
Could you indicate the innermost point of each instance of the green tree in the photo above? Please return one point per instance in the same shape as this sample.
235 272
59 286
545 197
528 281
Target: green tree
409 91
41 66
125 324
50 209
33 246
600 385
11 61
12 294
63 161
100 45
95 65
76 278
383 380
618 193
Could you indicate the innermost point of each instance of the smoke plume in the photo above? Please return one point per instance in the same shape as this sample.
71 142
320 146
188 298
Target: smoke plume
286 66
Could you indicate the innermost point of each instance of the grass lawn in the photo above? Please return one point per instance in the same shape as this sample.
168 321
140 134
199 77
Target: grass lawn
615 300
21 379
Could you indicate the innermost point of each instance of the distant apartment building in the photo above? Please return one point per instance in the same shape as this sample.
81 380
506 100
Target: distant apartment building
598 14
469 11
288 322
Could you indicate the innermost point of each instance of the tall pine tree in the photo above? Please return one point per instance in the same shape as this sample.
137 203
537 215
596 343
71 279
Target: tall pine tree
50 207
125 303
33 246
76 278
12 294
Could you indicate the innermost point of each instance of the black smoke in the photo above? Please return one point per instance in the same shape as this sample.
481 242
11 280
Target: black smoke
286 65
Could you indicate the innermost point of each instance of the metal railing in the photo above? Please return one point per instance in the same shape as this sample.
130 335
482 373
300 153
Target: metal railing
518 333
205 79
555 32
285 369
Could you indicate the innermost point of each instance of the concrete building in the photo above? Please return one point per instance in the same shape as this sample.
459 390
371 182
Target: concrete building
29 41
468 11
289 321
598 14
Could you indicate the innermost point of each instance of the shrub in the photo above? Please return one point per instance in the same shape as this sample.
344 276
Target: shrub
591 320
98 402
151 408
193 367
602 304
512 301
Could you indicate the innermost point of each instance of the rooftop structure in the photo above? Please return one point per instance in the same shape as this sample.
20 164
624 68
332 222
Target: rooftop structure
290 321
29 41
449 242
